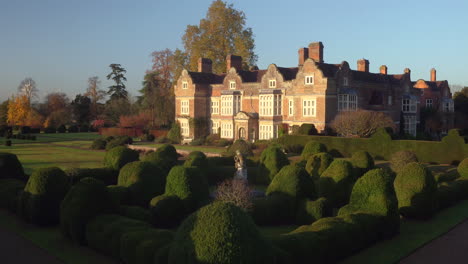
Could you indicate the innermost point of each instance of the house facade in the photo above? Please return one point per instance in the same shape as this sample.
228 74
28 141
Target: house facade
254 104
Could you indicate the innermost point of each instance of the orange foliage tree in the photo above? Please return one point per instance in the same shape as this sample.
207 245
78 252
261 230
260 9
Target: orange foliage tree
18 110
140 120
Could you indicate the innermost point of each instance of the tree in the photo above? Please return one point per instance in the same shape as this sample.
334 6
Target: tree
81 107
158 98
28 88
117 91
18 110
360 123
460 100
56 110
56 101
220 33
95 94
115 108
4 113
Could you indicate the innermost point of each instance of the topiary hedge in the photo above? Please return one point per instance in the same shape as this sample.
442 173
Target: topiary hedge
275 209
120 195
10 167
241 145
312 148
270 163
309 211
135 212
362 162
292 181
317 164
106 175
166 211
144 180
99 143
416 190
40 201
336 182
117 157
463 168
141 246
119 141
196 159
165 157
88 198
10 190
219 233
401 158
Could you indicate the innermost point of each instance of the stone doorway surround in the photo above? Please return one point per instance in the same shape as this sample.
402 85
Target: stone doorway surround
246 126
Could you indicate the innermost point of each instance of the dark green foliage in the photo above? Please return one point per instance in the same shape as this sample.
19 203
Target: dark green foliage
196 159
307 129
9 192
117 157
50 130
317 164
165 157
119 194
73 129
336 182
43 193
401 158
99 143
309 211
147 137
144 180
174 134
275 209
219 233
449 193
109 139
166 211
140 247
135 212
243 146
107 175
61 129
292 181
10 167
362 162
119 141
88 198
271 161
463 168
416 191
312 148
8 143
189 185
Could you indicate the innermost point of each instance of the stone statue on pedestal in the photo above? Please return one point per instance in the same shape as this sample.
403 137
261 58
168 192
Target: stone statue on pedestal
241 166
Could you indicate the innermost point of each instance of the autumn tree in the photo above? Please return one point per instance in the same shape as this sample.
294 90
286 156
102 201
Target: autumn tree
18 110
95 94
360 123
223 31
57 110
117 91
28 88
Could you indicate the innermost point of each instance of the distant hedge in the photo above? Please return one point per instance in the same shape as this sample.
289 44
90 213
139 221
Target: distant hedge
452 148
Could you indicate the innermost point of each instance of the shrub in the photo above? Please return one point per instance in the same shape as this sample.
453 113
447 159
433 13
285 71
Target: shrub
309 211
174 134
196 159
10 167
317 164
362 162
117 157
88 198
219 233
144 180
119 194
140 246
165 157
307 129
9 192
147 137
401 158
463 168
360 123
293 148
106 175
270 163
237 192
50 130
243 146
223 143
448 193
312 148
25 130
197 142
162 140
166 211
99 143
61 129
292 181
275 209
189 185
416 189
336 182
8 143
135 212
43 193
109 139
73 129
84 128
119 141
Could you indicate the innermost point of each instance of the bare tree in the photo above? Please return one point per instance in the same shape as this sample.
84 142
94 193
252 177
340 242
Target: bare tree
360 123
28 88
95 94
235 191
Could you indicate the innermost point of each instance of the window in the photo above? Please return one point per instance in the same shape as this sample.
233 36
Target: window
215 107
237 104
184 107
347 102
429 103
277 104
232 85
270 105
226 130
309 80
230 104
448 106
389 100
272 84
291 108
345 81
184 85
214 127
184 127
268 132
410 125
408 106
308 107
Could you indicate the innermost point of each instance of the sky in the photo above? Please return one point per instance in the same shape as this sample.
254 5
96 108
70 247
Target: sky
61 43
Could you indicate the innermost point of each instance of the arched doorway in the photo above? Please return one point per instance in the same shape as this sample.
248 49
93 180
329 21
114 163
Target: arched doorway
242 134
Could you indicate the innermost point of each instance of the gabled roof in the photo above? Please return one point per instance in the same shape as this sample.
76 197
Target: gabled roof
252 76
206 78
288 73
377 77
328 70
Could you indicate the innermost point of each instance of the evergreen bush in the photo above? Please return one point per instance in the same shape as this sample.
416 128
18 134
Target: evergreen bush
309 211
141 246
10 166
401 158
292 181
175 134
165 157
317 164
336 182
270 163
312 148
117 157
99 143
10 190
241 145
106 175
166 211
362 162
463 168
135 212
196 159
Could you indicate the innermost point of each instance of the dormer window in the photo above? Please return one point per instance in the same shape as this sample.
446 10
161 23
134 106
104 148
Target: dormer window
429 103
232 85
272 84
184 85
309 80
345 81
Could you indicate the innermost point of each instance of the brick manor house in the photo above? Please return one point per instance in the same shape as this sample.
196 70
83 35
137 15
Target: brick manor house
253 104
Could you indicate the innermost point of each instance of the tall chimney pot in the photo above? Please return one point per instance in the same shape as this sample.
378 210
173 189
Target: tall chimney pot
363 65
316 51
383 69
233 61
205 65
433 75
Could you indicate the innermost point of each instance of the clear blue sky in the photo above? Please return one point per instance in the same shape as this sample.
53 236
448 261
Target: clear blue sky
60 43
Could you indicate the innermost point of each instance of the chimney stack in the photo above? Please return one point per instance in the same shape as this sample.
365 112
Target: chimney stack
303 55
407 71
316 51
383 69
433 75
205 65
363 65
233 61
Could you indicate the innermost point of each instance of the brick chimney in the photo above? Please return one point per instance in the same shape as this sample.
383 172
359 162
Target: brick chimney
233 61
433 75
383 69
316 51
205 65
363 65
303 55
407 70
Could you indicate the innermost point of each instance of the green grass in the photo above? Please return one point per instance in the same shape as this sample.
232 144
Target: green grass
51 240
185 147
413 235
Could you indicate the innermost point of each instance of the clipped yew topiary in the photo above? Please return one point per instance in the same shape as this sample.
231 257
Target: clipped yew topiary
336 182
309 211
274 209
270 163
166 211
141 246
135 212
241 145
219 233
99 144
106 175
362 162
117 157
416 190
144 180
9 192
10 167
312 148
120 195
317 164
196 159
40 201
399 159
165 157
88 198
189 184
292 181
463 168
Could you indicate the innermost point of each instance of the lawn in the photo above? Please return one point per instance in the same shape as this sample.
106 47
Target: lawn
56 137
207 149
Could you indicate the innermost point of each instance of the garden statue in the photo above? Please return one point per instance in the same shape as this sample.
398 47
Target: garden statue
241 167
